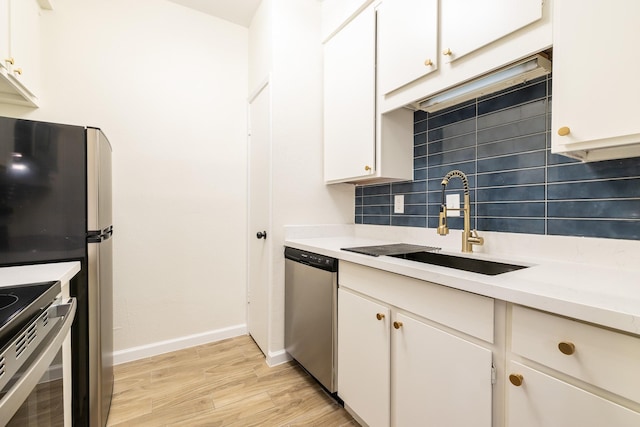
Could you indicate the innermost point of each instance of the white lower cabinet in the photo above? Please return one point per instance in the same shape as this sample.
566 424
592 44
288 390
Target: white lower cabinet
396 369
544 401
363 357
415 353
564 373
433 373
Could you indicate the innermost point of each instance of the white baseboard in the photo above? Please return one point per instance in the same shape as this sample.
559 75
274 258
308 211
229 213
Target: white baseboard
154 349
277 357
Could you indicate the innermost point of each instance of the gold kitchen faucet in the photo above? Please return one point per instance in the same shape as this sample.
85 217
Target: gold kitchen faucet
469 237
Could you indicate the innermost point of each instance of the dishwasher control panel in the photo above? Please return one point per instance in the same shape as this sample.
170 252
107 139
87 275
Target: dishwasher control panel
309 258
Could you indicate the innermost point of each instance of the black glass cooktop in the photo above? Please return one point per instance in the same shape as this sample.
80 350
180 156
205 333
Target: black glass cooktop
19 304
390 249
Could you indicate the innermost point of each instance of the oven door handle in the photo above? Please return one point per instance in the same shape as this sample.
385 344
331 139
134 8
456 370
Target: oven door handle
19 392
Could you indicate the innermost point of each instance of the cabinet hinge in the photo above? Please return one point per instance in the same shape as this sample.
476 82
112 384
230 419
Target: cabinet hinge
494 374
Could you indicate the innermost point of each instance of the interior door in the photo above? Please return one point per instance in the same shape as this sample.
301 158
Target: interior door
259 219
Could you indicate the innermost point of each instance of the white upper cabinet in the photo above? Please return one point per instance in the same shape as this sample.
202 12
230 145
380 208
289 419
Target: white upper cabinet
349 100
20 49
407 41
468 25
25 42
4 33
428 46
595 79
361 145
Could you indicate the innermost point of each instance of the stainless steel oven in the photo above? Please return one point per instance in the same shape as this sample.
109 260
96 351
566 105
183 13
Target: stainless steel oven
35 382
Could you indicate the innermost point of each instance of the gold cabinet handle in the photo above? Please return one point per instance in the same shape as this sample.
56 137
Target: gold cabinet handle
564 131
379 316
428 62
367 168
567 348
397 325
9 61
18 71
516 379
447 52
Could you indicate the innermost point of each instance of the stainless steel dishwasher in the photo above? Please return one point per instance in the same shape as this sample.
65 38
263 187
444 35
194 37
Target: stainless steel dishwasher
311 327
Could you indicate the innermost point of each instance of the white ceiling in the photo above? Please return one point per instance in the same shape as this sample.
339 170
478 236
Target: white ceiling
237 11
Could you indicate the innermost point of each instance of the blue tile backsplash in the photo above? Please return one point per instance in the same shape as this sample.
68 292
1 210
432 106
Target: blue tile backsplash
502 143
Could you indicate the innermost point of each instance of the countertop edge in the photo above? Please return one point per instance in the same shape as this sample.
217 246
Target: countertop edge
17 275
540 286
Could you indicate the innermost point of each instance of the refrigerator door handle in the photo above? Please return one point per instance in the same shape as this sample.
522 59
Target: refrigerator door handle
99 236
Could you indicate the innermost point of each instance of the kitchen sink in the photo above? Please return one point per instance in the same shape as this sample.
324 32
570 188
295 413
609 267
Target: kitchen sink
490 268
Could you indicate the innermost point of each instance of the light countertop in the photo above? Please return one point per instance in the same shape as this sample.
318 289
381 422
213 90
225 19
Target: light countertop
596 294
62 271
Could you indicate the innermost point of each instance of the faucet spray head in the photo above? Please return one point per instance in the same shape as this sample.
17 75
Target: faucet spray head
443 230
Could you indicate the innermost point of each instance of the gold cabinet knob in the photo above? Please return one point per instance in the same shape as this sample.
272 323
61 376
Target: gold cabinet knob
567 348
564 131
516 379
367 168
447 52
18 71
428 62
9 61
397 325
379 316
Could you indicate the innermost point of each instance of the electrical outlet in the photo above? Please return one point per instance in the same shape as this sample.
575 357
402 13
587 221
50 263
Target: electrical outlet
398 204
453 202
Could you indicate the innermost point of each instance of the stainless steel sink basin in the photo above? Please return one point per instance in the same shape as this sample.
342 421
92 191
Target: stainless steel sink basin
490 268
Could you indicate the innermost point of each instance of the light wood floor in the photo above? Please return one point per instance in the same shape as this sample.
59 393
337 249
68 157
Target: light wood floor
226 383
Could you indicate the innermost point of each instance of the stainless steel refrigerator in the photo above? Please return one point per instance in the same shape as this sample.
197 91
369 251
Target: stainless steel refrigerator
55 205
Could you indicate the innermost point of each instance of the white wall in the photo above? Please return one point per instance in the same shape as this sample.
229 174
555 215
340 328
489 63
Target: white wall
299 195
168 86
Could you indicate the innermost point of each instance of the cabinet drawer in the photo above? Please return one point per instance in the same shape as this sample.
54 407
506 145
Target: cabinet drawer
599 356
460 310
542 400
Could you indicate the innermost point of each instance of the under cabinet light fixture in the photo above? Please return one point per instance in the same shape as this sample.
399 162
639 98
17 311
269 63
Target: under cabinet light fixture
519 72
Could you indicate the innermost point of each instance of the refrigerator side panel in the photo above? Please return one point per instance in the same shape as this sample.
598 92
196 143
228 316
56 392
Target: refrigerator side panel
100 303
99 210
106 326
100 272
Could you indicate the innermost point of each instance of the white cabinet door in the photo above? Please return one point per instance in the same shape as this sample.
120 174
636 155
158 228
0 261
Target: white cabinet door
468 25
349 100
363 357
4 32
25 42
439 377
407 41
542 400
595 78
